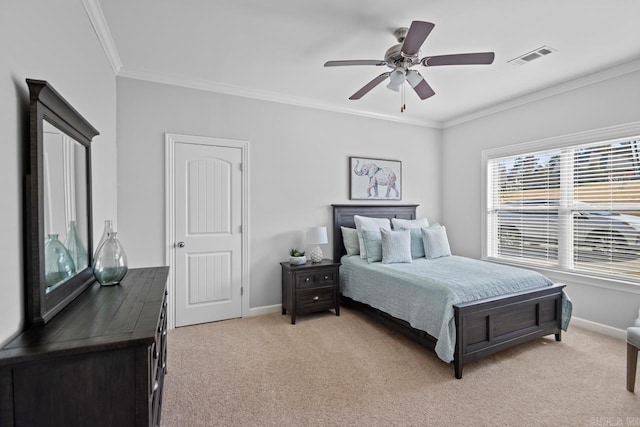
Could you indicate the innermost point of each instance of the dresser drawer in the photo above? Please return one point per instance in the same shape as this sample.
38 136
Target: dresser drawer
156 398
312 279
158 350
315 299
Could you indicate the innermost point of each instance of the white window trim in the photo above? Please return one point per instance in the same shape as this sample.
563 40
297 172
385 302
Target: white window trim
586 137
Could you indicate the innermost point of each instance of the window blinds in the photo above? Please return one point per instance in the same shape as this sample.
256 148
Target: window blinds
575 208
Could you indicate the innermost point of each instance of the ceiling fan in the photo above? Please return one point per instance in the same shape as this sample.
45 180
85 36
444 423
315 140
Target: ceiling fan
403 56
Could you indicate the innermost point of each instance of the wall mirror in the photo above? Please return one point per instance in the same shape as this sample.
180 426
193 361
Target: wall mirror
57 216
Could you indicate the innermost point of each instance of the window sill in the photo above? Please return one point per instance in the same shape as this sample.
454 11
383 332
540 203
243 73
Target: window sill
561 276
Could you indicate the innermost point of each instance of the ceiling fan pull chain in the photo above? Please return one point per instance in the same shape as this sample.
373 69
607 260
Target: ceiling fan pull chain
403 106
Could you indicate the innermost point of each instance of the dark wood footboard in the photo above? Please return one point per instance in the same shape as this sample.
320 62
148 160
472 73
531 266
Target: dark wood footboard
486 326
493 324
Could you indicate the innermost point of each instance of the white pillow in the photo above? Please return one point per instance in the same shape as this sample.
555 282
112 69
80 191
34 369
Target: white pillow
436 243
396 246
406 224
372 223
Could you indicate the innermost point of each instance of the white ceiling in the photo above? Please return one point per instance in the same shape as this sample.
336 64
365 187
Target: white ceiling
276 49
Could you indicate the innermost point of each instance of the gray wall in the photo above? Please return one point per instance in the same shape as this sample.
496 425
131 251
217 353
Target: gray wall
53 41
298 168
608 103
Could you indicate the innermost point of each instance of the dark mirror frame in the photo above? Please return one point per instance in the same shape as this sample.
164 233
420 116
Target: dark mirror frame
47 104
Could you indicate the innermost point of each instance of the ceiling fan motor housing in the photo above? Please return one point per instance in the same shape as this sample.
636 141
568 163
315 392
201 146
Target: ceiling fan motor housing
394 57
400 34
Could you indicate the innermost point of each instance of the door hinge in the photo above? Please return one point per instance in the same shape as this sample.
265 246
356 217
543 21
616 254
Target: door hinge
241 290
241 229
241 166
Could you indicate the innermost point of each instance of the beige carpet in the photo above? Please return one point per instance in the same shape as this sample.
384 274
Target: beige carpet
349 370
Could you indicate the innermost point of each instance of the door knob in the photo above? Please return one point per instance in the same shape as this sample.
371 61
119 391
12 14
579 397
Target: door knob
181 244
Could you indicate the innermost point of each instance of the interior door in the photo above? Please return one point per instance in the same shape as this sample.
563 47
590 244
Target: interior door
208 246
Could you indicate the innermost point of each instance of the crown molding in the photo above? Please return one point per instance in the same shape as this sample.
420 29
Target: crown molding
608 133
96 16
597 77
94 11
210 86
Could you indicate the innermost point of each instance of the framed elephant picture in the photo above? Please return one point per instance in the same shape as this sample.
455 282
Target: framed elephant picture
375 179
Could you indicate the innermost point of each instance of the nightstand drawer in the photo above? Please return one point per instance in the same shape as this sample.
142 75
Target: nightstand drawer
305 280
314 279
315 299
326 278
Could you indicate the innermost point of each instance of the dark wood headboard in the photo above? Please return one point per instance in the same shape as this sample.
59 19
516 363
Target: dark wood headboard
343 216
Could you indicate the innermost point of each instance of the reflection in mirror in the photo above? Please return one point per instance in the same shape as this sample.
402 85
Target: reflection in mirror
65 206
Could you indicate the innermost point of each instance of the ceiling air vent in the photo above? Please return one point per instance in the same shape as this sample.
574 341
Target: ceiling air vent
532 56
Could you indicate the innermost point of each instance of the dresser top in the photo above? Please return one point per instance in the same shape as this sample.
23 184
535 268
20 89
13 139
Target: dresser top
102 317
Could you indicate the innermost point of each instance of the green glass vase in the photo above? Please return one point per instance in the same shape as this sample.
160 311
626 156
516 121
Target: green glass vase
76 248
58 263
108 228
110 265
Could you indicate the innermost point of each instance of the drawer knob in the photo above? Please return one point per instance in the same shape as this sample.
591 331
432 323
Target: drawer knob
316 298
326 277
306 280
155 386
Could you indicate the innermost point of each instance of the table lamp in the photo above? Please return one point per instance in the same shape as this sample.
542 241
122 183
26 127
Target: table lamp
316 236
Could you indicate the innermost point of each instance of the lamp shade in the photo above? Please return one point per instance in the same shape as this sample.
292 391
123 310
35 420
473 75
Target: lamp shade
317 235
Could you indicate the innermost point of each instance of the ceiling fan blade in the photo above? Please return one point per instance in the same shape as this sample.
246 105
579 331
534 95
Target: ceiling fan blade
459 59
354 62
422 88
366 88
418 32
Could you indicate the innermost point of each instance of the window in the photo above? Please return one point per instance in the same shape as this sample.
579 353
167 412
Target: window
573 208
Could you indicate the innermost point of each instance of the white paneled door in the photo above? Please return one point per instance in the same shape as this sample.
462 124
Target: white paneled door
208 233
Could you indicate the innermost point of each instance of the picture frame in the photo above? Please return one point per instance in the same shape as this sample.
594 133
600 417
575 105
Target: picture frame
375 179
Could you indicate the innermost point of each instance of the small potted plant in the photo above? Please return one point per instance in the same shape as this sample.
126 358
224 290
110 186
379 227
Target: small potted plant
296 257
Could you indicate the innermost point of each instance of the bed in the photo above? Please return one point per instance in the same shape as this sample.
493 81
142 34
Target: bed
479 327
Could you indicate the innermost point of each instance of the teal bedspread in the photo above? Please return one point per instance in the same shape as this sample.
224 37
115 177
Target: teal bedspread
424 291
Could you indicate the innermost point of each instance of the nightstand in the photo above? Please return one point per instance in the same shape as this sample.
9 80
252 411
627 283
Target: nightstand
310 287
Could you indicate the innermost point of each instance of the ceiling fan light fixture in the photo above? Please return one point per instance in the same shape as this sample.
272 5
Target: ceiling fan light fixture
396 79
414 78
395 88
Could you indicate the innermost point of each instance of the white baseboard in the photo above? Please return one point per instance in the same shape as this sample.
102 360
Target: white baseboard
266 309
598 327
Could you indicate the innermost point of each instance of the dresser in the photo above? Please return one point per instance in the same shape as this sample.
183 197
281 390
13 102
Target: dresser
101 361
310 287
